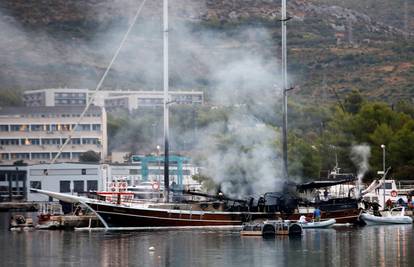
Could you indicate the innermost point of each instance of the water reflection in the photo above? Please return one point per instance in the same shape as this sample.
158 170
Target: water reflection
348 246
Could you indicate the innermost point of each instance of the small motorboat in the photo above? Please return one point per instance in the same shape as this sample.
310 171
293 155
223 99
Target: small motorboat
389 218
312 224
19 223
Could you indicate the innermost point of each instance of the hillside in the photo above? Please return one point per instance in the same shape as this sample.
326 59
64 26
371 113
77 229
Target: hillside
333 44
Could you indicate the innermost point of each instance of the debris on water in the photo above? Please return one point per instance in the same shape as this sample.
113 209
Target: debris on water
151 248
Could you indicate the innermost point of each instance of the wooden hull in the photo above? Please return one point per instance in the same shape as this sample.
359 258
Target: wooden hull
123 216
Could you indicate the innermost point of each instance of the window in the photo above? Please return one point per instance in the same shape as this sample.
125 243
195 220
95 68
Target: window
83 171
388 185
75 141
20 155
133 171
34 141
15 128
96 127
40 155
89 141
36 184
4 128
64 186
84 127
78 186
9 142
92 185
51 141
37 127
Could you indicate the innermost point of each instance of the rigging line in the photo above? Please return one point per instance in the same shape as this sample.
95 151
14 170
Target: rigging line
98 87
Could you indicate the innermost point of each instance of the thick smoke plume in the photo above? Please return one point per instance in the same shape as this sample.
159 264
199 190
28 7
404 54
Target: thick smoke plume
240 63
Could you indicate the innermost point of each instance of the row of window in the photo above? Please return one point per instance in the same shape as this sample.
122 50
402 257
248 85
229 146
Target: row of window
64 186
34 96
48 127
17 156
60 102
70 95
54 115
49 141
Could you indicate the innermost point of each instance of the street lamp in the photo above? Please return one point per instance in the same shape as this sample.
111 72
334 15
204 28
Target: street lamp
383 158
383 173
159 164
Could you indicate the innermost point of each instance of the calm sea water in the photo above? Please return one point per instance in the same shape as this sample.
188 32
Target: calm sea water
340 246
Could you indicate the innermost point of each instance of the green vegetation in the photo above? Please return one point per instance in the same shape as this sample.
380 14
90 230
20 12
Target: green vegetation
316 134
10 97
89 157
362 122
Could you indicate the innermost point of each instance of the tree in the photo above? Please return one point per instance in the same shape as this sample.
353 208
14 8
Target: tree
19 163
304 159
89 156
353 102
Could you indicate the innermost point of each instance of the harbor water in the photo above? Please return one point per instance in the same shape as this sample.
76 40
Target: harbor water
338 246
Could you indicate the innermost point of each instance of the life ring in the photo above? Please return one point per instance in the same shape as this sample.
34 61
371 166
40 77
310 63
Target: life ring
124 185
156 186
394 193
112 185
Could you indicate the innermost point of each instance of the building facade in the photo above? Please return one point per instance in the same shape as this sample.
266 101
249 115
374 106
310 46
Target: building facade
68 178
36 134
111 100
13 183
56 97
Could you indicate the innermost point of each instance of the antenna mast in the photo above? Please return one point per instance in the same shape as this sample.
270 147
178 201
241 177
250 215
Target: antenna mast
166 113
285 88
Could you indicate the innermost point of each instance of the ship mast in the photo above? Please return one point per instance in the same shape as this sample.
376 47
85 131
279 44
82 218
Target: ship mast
166 113
285 89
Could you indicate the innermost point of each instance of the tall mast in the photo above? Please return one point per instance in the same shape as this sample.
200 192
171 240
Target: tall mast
166 113
285 88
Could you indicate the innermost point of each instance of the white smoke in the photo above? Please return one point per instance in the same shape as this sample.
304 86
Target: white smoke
360 155
240 63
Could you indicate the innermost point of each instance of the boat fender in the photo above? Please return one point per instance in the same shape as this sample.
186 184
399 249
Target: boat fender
394 193
156 186
268 230
124 185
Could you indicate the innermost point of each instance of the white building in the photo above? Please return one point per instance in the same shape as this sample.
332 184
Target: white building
111 100
36 134
79 178
56 97
69 178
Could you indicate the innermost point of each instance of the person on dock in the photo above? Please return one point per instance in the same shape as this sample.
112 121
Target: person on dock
317 214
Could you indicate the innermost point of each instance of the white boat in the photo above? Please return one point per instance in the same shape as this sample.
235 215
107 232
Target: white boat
313 224
389 218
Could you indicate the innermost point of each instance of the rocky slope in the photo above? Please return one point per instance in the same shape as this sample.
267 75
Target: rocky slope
52 43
